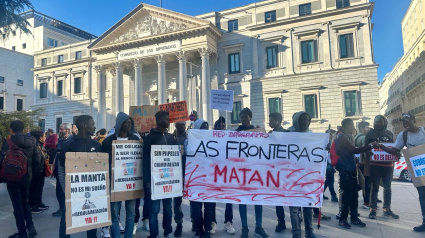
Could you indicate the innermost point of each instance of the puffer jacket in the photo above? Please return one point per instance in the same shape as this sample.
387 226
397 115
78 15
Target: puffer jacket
42 155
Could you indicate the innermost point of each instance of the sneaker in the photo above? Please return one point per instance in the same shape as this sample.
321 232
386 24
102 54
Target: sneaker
310 235
379 201
58 213
259 231
122 230
199 234
135 229
344 224
420 228
245 232
32 232
366 205
229 228
372 215
213 227
323 217
36 210
338 216
326 198
296 236
41 206
390 213
280 226
334 198
207 235
145 224
358 222
105 232
16 235
178 231
169 235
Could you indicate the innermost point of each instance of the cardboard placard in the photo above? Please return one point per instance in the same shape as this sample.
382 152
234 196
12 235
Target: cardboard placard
381 156
166 171
144 117
222 99
415 160
177 110
87 191
127 176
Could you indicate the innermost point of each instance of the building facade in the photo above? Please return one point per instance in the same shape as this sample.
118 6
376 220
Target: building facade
16 80
16 55
277 56
403 89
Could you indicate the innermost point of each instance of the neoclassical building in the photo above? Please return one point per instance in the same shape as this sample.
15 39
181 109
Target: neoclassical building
277 56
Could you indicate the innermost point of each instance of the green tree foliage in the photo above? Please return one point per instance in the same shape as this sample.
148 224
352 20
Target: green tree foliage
10 21
30 119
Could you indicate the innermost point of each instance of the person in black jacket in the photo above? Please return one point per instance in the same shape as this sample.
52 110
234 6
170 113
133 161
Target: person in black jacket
157 136
82 142
18 191
380 170
346 166
275 122
123 125
37 181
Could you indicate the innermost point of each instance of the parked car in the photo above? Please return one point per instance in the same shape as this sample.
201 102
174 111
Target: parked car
401 171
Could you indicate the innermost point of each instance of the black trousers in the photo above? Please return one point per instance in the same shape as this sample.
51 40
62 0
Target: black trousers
421 191
368 186
202 222
178 213
18 193
329 182
349 195
280 213
36 190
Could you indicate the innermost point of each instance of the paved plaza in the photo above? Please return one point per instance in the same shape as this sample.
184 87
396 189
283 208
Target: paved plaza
405 203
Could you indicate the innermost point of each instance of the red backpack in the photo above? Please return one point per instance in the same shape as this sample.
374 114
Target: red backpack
334 155
15 163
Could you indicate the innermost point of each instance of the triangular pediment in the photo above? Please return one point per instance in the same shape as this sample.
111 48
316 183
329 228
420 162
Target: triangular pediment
147 21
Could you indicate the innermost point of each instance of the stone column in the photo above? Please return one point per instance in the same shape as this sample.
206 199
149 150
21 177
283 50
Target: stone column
181 56
101 96
119 88
205 85
160 59
89 81
290 54
36 90
138 85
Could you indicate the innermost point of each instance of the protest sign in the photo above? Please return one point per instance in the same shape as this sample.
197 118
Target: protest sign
279 169
415 160
144 117
381 156
166 171
177 110
222 99
127 179
87 191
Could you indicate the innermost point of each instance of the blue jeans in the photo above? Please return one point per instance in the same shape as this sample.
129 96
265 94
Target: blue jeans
130 213
167 216
258 215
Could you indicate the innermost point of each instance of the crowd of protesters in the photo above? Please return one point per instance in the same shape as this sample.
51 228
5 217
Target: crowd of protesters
349 157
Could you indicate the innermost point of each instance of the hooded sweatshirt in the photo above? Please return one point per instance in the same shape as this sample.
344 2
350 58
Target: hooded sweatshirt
296 122
198 123
107 142
382 135
29 145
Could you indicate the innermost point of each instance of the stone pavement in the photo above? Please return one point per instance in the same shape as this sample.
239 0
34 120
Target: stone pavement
405 203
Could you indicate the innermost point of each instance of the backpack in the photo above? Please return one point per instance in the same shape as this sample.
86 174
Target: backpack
15 163
334 155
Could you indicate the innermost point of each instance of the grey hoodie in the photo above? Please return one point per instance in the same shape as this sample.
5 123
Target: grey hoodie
296 122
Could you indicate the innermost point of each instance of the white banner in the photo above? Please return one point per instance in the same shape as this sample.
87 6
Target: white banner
222 99
381 156
166 171
127 166
286 169
150 50
89 198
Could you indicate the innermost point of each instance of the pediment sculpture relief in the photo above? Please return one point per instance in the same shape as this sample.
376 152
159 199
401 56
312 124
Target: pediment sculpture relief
149 26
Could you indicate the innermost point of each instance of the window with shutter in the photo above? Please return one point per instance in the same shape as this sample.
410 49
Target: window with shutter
309 51
342 3
305 9
350 102
43 90
19 104
271 56
60 88
232 25
310 105
274 105
77 85
234 63
346 46
235 117
270 16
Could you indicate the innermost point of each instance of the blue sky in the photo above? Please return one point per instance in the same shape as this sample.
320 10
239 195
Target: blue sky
96 16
